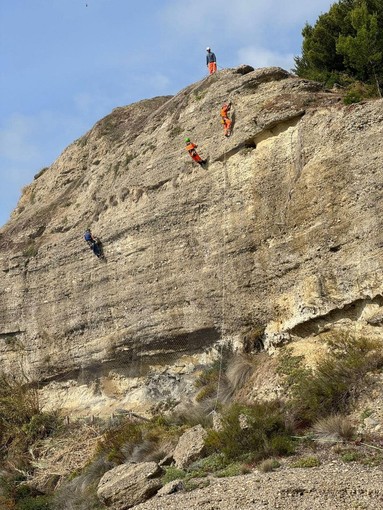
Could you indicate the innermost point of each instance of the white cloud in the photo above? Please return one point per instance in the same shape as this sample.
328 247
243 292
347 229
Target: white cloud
245 17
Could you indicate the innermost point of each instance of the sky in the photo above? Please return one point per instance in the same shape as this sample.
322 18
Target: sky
65 64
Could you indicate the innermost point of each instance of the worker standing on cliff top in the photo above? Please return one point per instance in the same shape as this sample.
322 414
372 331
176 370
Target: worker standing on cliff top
191 148
226 122
211 61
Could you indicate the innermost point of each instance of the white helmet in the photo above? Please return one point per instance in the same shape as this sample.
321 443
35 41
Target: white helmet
208 49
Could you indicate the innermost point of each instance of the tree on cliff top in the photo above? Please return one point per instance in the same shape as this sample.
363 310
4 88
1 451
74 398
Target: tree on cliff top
344 45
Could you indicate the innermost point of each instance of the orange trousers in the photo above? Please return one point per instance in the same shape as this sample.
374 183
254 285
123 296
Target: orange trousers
226 122
212 67
196 156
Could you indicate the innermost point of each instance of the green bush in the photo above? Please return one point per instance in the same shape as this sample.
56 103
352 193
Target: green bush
307 462
139 440
118 442
208 465
358 91
21 421
257 431
336 381
173 473
37 503
18 495
352 96
234 469
350 456
31 250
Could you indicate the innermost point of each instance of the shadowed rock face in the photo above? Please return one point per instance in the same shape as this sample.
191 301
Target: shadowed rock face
279 238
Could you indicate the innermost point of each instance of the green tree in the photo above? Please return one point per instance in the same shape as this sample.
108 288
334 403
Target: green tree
320 59
345 44
362 52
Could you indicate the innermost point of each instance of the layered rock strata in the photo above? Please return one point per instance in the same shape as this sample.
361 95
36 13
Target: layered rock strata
278 239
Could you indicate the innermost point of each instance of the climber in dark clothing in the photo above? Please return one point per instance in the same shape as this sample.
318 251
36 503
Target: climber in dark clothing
88 236
97 248
94 244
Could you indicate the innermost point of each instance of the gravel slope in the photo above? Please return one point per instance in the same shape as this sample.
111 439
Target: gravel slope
334 486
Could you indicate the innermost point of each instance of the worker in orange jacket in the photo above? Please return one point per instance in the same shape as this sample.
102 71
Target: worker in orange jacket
191 148
226 122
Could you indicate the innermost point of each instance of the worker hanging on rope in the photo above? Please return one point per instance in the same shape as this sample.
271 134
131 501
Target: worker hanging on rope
94 244
191 148
226 122
211 61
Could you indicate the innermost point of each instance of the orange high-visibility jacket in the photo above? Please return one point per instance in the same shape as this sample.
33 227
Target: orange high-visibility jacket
191 147
224 110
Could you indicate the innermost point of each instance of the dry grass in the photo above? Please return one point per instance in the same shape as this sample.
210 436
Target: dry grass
58 457
268 465
334 428
239 370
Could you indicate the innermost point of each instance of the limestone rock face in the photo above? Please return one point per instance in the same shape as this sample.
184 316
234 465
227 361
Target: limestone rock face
280 238
128 485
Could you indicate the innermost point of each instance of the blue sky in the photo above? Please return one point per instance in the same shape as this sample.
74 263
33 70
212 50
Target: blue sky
67 63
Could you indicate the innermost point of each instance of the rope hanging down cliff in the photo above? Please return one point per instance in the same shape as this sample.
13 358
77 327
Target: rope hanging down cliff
223 284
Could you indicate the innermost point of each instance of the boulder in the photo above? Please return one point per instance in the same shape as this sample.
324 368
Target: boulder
128 485
190 447
171 488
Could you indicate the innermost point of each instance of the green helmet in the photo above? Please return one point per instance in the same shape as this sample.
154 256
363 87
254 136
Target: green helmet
187 139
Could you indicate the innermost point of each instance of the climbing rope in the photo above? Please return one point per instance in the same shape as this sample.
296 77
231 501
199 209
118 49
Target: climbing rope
223 284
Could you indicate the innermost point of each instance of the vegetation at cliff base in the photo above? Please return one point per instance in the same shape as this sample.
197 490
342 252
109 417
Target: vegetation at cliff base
244 431
345 46
335 383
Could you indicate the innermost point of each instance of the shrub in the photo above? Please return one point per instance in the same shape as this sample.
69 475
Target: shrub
173 473
18 495
139 441
31 250
118 442
357 92
234 469
352 96
191 485
191 416
307 462
268 465
350 456
257 431
211 464
336 381
37 503
21 421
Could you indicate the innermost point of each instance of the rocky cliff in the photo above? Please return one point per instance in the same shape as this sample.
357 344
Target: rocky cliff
278 239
